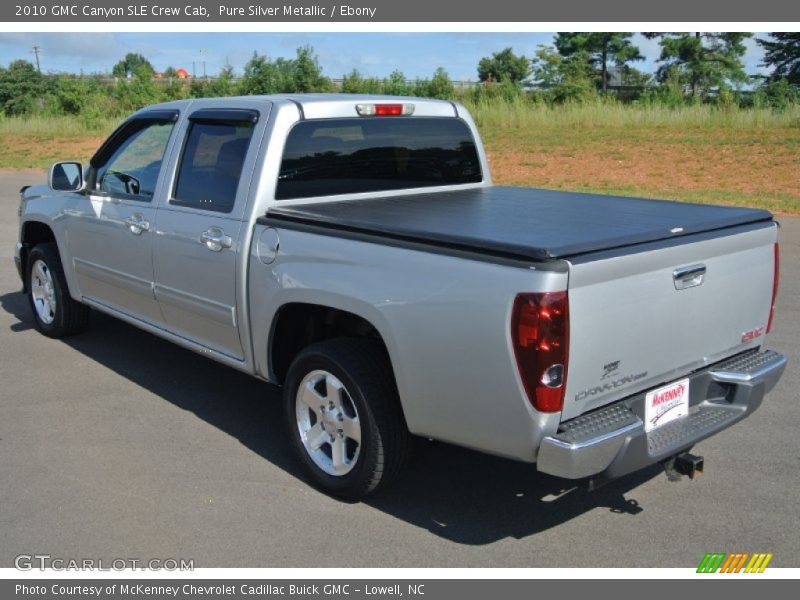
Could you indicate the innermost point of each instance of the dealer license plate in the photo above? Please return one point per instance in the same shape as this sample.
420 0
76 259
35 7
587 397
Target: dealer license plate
666 404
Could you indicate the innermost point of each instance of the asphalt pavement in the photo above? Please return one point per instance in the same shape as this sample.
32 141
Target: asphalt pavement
117 444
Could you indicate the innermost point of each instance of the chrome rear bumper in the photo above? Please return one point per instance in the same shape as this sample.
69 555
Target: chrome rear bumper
611 441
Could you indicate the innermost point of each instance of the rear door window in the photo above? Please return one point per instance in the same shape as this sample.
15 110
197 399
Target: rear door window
211 164
343 156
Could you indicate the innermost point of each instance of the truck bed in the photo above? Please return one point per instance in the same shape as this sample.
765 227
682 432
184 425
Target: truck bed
517 223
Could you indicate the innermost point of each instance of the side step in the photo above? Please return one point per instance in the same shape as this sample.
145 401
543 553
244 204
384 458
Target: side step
599 423
698 424
749 367
588 444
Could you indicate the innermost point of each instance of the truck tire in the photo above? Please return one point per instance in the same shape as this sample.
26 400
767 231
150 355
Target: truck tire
344 417
55 313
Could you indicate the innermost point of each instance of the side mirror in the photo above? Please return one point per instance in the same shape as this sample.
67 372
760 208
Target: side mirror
66 177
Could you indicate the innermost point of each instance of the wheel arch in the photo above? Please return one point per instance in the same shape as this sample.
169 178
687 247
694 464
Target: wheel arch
34 232
298 324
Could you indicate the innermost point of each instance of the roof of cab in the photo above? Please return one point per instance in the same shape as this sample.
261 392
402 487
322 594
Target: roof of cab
320 106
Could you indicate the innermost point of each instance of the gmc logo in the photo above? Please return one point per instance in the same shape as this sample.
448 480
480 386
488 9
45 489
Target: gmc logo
752 334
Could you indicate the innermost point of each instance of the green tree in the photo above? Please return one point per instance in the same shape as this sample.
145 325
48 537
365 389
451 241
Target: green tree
504 66
355 83
395 84
782 53
564 79
547 67
306 72
779 94
136 92
260 76
199 87
71 94
439 86
602 48
174 88
284 75
669 93
635 84
224 84
703 60
133 64
635 78
21 88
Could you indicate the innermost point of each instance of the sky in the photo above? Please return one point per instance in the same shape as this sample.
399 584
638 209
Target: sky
373 54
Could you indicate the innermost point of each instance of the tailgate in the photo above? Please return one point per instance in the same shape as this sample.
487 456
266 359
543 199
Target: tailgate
632 329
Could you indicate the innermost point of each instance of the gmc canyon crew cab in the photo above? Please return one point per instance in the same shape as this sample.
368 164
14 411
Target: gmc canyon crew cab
353 250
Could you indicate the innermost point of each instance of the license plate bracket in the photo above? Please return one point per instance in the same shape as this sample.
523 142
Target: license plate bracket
666 404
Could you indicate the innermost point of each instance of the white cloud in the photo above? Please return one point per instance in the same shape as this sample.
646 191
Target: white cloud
75 45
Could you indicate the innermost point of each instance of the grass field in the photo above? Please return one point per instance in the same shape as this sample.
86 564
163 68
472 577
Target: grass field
696 153
37 142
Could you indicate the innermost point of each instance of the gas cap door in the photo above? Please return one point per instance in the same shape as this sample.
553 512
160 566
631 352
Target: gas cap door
268 245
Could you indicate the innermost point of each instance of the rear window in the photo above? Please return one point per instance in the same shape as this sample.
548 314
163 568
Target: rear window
344 156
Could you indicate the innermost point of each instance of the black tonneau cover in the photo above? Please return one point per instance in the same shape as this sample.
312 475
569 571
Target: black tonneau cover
518 223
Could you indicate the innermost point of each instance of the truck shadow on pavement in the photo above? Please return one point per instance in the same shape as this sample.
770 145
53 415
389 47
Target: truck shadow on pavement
463 496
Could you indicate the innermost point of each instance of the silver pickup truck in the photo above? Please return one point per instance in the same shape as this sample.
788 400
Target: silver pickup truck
353 250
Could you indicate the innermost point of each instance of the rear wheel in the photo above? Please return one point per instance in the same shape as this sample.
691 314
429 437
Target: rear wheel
55 313
344 417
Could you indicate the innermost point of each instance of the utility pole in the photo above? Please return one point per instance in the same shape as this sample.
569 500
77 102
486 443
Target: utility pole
203 60
36 50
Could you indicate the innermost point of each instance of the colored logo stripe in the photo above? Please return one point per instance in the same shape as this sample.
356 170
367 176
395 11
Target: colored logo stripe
711 562
734 563
758 563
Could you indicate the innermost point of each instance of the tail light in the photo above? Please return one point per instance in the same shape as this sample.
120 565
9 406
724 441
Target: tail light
774 286
385 110
540 336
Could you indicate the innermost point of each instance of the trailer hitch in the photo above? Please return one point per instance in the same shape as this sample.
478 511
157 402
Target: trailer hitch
683 464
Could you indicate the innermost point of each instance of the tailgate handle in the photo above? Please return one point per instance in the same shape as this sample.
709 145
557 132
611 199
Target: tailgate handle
687 277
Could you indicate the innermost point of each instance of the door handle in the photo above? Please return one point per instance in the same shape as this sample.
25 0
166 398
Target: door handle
215 239
687 277
137 224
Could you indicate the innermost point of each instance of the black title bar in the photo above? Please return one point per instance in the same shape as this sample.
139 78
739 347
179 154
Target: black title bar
450 11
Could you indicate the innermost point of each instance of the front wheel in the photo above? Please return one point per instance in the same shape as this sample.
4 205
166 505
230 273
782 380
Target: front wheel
344 416
55 313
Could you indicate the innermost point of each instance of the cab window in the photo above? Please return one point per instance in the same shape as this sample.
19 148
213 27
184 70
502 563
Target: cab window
325 157
211 164
131 171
